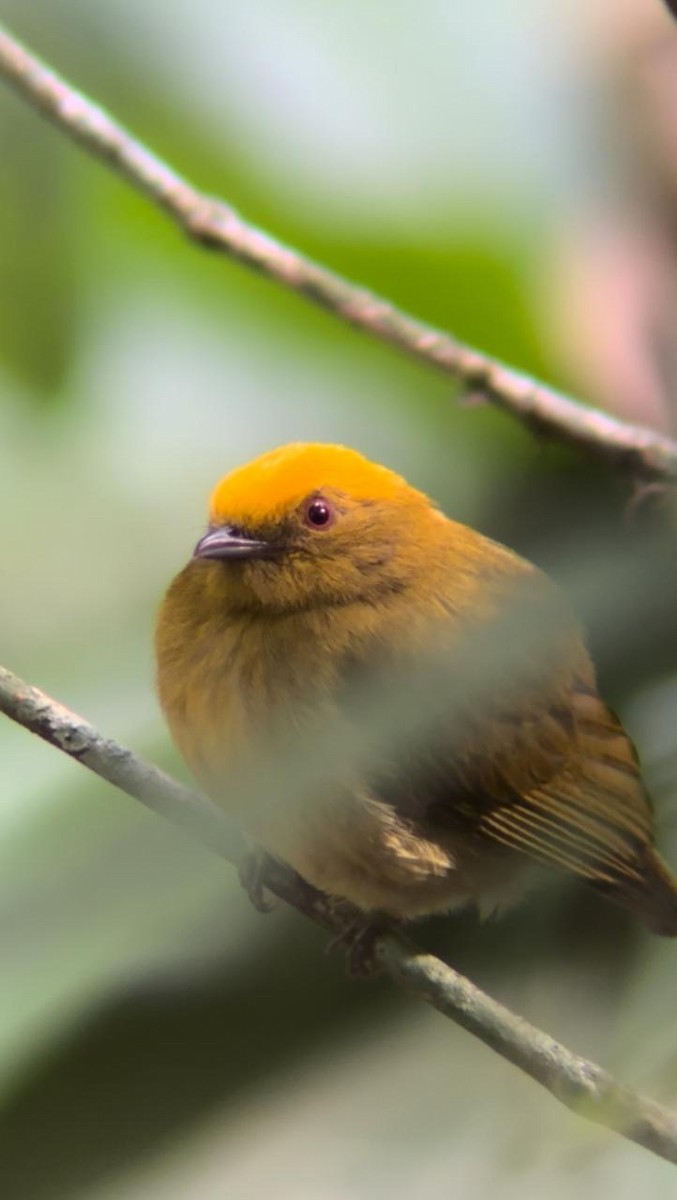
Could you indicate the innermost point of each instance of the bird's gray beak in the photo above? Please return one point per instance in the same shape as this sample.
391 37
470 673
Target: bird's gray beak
227 543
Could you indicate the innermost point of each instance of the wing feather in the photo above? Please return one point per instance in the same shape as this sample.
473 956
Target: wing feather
561 785
535 763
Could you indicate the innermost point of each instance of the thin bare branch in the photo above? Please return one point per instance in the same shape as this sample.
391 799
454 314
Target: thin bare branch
579 1084
643 453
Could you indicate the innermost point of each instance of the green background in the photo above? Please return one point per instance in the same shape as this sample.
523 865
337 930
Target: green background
158 1038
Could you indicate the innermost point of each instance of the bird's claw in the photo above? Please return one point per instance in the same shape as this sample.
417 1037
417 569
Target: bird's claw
252 874
357 938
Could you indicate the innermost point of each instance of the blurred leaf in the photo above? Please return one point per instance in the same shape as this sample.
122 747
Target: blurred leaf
38 281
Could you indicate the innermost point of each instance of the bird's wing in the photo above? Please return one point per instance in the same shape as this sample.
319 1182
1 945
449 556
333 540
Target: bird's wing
546 767
592 816
525 755
556 779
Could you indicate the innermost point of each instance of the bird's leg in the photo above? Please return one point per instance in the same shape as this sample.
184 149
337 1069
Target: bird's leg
357 936
252 874
355 932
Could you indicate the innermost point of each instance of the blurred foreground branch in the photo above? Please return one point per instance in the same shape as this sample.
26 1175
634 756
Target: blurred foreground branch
643 453
579 1084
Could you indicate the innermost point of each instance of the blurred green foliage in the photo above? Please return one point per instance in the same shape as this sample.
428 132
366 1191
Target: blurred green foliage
157 1038
38 273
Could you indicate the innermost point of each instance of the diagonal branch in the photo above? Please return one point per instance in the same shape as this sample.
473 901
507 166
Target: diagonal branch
643 453
579 1084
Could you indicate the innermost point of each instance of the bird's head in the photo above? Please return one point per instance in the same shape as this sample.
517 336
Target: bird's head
308 525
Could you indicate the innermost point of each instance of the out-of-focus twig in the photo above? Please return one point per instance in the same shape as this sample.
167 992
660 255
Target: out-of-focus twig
640 451
578 1083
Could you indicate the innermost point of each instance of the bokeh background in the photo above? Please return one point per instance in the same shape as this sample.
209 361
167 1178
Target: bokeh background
507 170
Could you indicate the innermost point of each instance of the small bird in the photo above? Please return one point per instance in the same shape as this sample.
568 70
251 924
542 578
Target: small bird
323 579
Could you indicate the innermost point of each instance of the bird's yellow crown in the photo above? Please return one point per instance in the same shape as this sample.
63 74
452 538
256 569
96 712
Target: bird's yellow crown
275 483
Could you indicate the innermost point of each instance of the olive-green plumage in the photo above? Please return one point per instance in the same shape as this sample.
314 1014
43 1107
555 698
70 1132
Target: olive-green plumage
322 572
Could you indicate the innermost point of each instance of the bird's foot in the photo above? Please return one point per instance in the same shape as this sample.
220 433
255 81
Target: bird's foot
357 936
252 874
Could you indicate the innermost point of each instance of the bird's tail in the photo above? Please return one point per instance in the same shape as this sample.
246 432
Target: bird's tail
652 896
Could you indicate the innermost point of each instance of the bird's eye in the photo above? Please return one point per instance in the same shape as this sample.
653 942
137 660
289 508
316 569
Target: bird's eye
319 514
